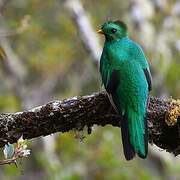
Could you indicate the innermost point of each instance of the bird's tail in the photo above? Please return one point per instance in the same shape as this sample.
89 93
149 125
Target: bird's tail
138 132
129 152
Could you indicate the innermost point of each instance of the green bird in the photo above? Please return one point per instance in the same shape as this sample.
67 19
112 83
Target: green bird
127 79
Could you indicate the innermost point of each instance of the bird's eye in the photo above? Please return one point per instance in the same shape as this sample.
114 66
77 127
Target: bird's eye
113 30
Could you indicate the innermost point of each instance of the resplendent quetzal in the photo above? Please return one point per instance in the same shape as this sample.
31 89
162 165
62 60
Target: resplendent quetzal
127 80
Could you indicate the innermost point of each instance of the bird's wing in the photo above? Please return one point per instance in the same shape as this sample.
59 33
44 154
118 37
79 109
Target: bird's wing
140 57
109 79
105 69
148 78
113 82
112 87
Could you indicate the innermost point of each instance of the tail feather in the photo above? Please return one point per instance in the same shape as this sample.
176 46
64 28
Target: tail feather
129 152
138 132
145 141
146 137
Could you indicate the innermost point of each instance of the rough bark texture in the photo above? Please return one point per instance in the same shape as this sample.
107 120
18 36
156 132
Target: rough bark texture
78 112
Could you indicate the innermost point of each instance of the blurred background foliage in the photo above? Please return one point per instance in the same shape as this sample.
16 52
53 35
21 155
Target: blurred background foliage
47 60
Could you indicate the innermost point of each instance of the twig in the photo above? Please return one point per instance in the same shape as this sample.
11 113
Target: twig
8 161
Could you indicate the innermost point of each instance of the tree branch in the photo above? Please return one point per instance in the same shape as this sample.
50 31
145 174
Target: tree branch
78 112
85 29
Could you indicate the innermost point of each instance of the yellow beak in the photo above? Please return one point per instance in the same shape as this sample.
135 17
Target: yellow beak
100 31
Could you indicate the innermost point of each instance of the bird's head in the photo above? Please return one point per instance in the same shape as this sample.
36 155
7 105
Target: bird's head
113 30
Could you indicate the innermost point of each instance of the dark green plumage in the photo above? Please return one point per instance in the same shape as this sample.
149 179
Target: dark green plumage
126 77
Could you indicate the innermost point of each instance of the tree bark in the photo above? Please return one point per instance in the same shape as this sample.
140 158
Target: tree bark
78 112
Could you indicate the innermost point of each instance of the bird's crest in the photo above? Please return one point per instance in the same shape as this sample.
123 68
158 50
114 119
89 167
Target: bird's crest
121 24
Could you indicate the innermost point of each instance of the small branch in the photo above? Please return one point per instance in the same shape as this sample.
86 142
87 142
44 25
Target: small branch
8 161
78 112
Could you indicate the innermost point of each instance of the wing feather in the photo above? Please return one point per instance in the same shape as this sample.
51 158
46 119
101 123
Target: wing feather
148 78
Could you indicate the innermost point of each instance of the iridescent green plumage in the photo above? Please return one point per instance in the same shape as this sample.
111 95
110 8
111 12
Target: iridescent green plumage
126 77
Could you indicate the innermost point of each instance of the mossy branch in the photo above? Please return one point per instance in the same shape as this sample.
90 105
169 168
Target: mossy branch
78 112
